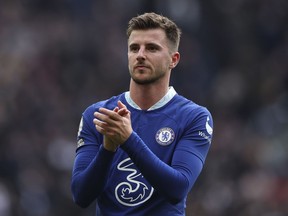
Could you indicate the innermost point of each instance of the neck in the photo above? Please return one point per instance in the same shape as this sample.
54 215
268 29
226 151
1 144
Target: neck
146 96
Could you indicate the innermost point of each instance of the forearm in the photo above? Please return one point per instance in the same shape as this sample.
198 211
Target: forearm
90 174
155 170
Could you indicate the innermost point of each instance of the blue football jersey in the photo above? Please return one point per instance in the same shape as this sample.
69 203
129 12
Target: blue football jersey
154 170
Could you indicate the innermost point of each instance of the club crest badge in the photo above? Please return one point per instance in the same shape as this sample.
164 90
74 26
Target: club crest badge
165 136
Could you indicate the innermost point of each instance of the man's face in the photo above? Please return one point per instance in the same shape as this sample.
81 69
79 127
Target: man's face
149 59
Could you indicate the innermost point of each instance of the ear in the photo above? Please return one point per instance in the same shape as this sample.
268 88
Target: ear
175 58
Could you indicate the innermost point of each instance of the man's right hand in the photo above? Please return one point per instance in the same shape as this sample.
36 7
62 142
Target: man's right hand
115 125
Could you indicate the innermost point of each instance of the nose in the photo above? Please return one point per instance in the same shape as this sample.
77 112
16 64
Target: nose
141 54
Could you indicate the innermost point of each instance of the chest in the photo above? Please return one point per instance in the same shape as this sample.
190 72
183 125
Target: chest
160 133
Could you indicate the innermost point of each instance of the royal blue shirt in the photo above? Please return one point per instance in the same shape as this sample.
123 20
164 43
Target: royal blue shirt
152 173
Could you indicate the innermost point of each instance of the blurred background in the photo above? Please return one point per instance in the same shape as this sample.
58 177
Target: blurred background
59 56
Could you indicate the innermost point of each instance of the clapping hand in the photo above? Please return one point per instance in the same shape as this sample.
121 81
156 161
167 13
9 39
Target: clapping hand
114 125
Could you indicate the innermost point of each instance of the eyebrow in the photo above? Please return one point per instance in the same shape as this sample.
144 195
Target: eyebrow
147 44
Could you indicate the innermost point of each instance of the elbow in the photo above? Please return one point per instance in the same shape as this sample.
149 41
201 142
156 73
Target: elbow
78 198
80 202
177 198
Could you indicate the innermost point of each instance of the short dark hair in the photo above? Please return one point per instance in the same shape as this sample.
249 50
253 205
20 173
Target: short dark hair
154 21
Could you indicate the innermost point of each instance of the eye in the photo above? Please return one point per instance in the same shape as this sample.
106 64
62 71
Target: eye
152 48
134 48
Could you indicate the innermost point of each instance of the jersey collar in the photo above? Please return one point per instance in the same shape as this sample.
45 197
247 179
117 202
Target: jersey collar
169 95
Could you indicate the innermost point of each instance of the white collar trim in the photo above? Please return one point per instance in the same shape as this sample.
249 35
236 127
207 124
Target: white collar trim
169 95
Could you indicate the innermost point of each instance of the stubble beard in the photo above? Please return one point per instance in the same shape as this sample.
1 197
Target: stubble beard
146 81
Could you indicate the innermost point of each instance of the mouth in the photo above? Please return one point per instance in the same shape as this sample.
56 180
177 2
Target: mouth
140 67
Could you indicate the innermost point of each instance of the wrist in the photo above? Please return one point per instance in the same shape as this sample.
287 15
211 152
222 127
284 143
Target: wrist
110 148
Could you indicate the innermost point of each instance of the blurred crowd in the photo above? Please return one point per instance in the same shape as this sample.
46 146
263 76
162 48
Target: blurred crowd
59 56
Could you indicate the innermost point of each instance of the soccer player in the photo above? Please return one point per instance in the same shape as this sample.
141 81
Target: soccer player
139 153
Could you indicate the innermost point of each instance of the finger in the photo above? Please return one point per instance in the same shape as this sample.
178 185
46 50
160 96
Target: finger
98 126
121 105
100 130
104 113
122 109
116 109
100 116
123 112
104 132
99 123
103 127
107 115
